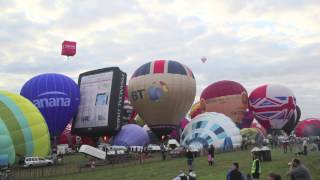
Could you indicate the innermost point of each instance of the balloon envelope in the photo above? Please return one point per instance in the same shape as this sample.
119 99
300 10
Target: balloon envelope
211 128
131 135
227 97
308 127
274 104
56 96
247 120
195 110
162 92
291 124
22 127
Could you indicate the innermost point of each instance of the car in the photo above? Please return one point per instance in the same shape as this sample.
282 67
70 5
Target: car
37 161
154 148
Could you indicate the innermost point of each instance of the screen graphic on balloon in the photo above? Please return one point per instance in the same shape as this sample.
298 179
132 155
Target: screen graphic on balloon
101 101
94 107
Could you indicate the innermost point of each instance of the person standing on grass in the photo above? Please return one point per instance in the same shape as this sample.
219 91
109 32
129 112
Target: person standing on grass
190 159
234 173
211 155
305 147
298 171
256 167
163 152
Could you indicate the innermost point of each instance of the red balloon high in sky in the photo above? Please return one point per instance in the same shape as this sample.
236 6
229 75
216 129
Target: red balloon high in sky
69 48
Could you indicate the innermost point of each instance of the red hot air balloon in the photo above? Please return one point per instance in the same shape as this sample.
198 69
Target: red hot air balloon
308 127
69 48
227 97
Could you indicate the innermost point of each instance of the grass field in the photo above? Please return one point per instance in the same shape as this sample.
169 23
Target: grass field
166 170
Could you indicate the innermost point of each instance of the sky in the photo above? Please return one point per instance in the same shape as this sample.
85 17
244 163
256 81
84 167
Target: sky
252 42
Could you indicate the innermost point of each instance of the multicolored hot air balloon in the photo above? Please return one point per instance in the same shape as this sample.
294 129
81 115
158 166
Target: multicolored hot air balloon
56 96
257 125
211 128
272 105
128 112
162 92
23 130
291 124
195 110
308 127
131 135
227 97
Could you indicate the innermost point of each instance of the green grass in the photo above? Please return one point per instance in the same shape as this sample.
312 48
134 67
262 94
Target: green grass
168 169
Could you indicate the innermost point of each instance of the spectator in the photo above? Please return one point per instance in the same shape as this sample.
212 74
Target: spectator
234 173
305 147
163 152
211 155
298 171
190 159
256 168
273 176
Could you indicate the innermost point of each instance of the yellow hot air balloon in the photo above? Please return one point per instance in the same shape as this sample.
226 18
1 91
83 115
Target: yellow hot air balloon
162 92
22 127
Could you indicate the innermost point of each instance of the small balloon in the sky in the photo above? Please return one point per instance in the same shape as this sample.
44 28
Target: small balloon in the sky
203 59
69 48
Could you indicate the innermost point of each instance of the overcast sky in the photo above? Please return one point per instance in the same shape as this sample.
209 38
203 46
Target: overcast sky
253 42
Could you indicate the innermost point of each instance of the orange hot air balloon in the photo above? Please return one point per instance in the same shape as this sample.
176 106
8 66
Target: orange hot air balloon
162 93
195 110
227 97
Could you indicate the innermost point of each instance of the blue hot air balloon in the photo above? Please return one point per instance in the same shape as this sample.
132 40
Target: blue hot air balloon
131 135
56 96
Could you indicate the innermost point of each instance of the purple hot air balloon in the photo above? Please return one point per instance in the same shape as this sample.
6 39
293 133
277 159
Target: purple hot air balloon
56 96
131 135
247 120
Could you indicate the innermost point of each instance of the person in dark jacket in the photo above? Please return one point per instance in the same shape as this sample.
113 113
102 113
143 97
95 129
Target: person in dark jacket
190 158
234 173
256 167
211 155
298 171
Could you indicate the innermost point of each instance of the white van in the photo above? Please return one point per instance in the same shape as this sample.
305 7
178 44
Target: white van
92 151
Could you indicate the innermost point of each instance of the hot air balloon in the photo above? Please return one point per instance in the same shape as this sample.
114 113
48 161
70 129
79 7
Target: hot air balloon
272 105
56 96
183 123
195 110
252 134
23 130
247 120
162 92
131 135
7 151
257 125
308 127
128 112
291 124
227 97
69 48
211 128
203 59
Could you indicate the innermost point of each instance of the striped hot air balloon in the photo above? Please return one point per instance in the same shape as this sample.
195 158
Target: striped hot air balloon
162 92
23 130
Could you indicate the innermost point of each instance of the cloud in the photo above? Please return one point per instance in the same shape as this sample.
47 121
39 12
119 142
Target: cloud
252 42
